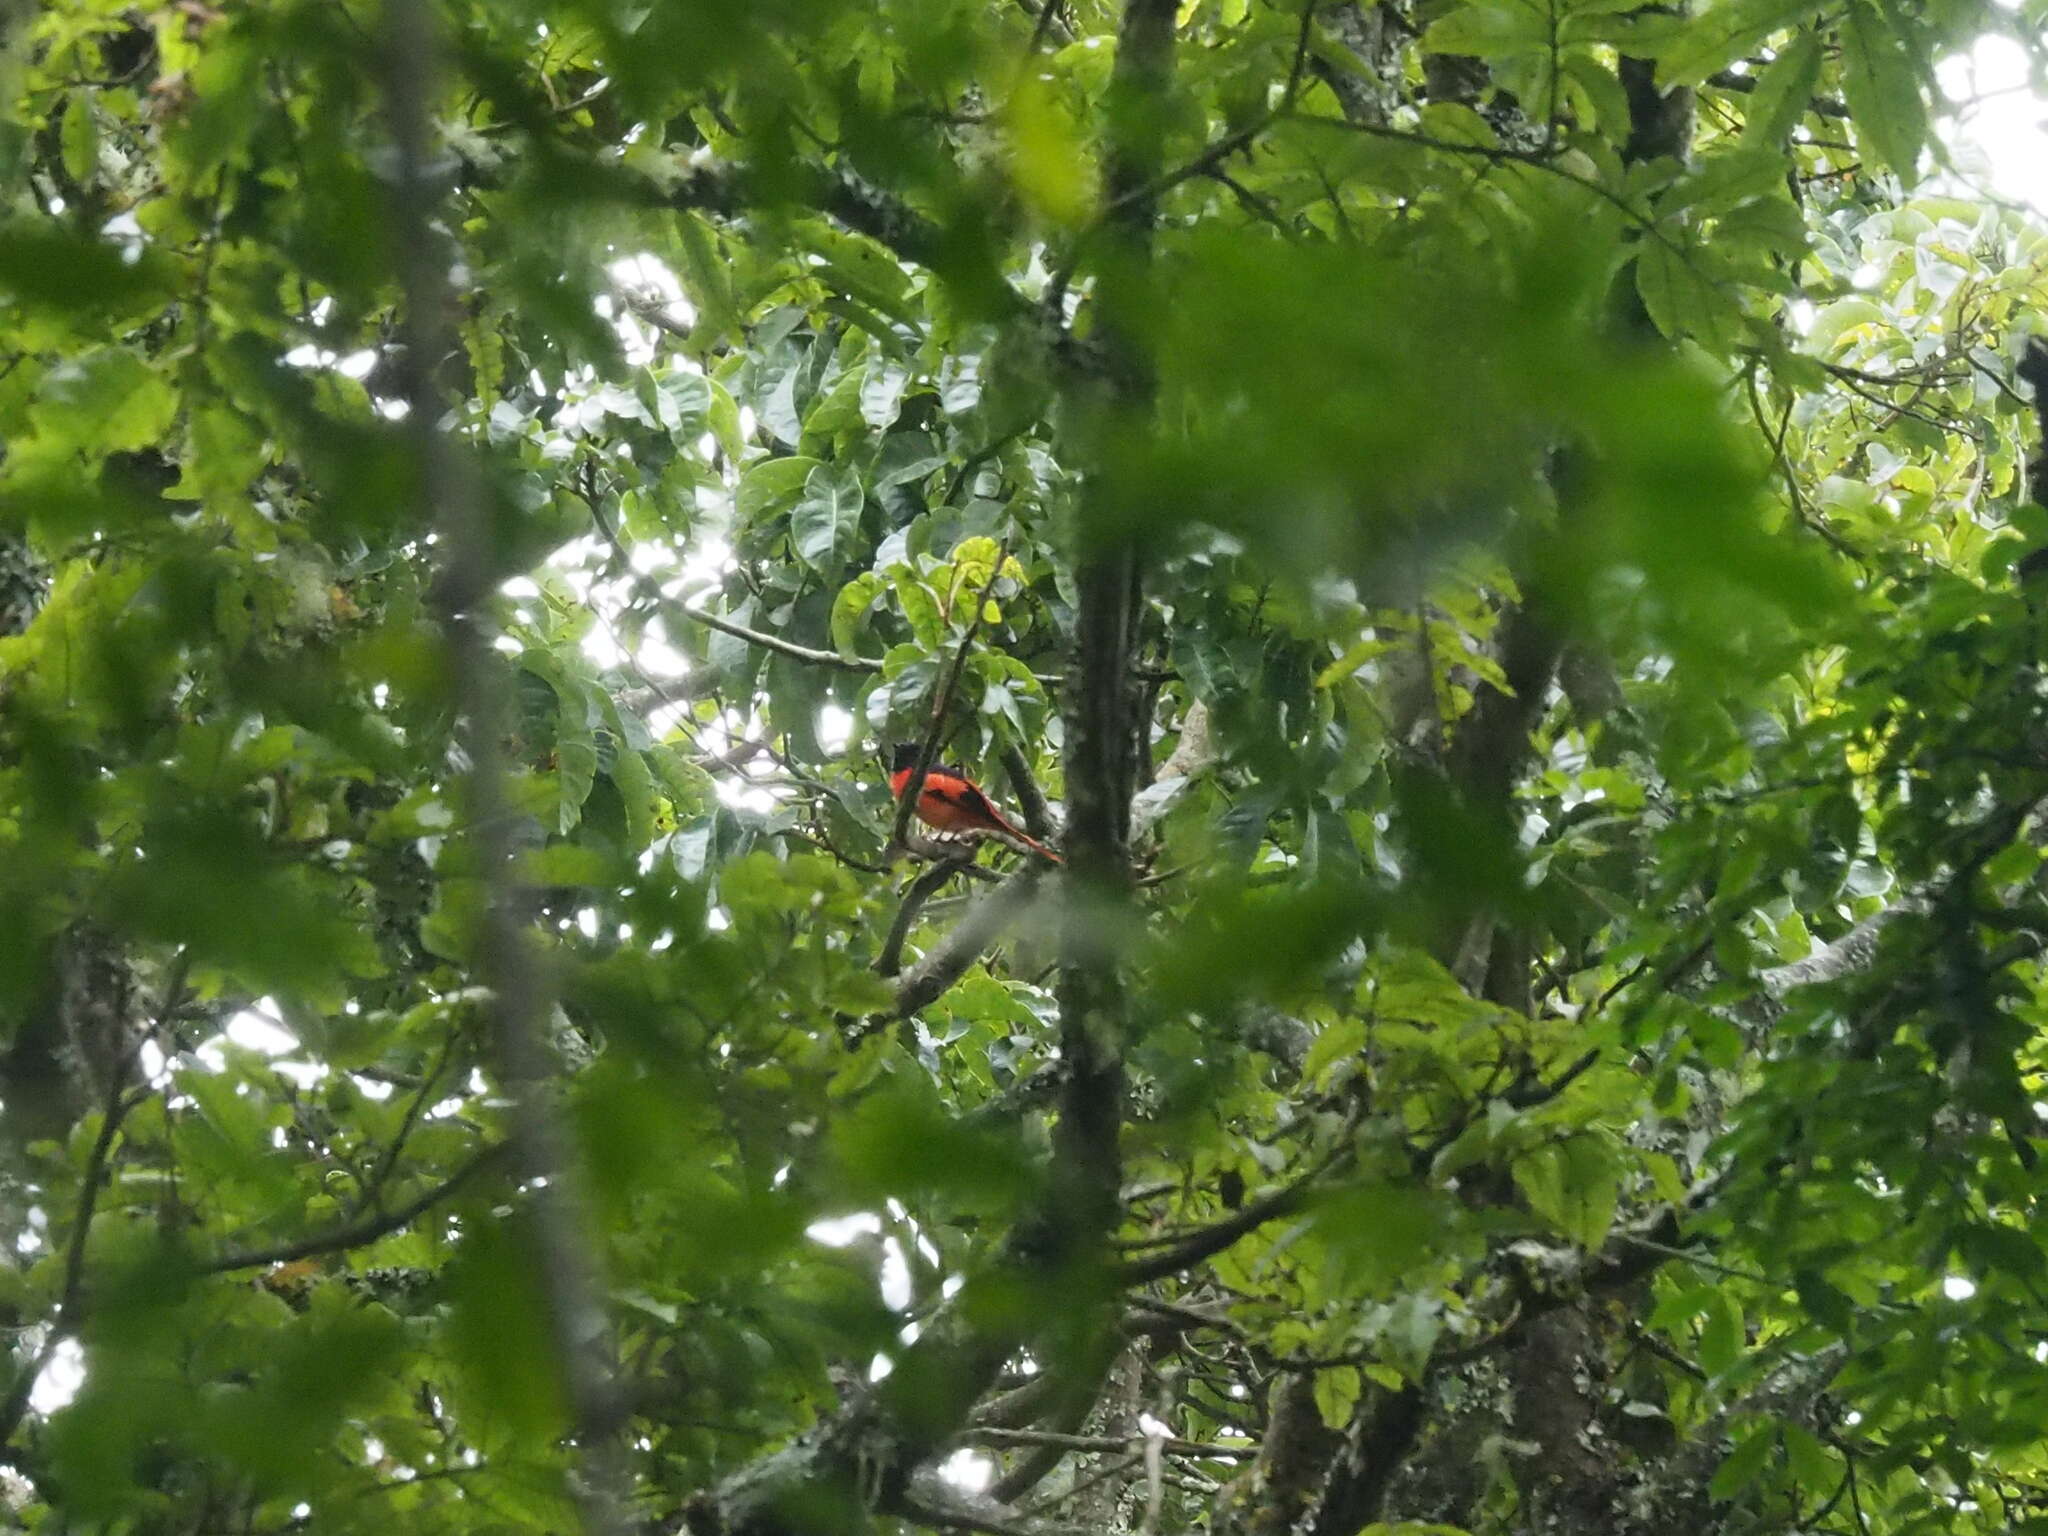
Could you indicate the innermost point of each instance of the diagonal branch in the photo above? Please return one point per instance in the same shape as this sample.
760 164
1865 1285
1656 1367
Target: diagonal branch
991 915
360 1234
1191 1249
927 749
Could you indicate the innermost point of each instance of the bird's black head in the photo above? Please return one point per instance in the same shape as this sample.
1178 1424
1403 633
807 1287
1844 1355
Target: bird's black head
903 755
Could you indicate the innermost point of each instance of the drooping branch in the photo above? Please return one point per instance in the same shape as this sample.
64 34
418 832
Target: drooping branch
890 961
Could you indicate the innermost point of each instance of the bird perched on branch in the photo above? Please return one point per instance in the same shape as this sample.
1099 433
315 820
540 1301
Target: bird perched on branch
951 802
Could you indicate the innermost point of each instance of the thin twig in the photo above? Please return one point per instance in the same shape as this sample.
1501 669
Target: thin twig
942 700
360 1234
1048 14
1299 65
372 1189
1499 154
1206 1450
665 605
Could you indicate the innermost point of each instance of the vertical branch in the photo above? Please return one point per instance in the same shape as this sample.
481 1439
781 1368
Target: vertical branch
1101 728
565 1248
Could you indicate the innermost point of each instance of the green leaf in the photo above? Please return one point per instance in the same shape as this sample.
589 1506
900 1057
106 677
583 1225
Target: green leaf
1574 1185
577 713
1489 30
1783 94
1720 33
723 417
80 138
771 487
881 393
1684 303
840 410
635 783
850 607
1337 1040
1881 84
1337 1391
1816 1470
826 520
46 267
1745 1464
1722 1336
920 606
107 399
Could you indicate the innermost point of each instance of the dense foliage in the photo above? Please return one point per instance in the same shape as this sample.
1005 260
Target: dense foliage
1485 530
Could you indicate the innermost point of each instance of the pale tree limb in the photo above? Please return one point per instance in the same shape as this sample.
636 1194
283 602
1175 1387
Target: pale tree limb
564 1243
992 915
1852 952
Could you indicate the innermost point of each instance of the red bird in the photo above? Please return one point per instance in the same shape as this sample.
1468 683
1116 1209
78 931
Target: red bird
952 802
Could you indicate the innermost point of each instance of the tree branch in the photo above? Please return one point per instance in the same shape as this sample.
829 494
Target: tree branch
1191 1248
564 1247
986 920
1031 804
71 1301
927 749
360 1234
890 961
1852 952
993 1435
933 1501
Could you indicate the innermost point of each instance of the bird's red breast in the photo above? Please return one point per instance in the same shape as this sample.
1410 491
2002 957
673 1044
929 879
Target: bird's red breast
949 801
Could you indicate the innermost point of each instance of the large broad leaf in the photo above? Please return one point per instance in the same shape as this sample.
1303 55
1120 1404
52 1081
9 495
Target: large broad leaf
826 518
1721 34
577 714
1881 83
44 266
1783 94
771 487
1489 31
107 400
1683 300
